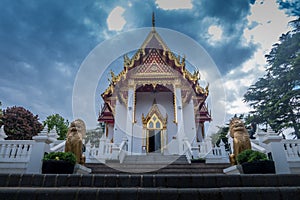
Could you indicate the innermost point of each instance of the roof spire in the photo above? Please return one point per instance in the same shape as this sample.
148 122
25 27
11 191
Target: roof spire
154 101
153 20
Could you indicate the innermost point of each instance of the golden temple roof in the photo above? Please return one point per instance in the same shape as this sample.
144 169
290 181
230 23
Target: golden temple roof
154 41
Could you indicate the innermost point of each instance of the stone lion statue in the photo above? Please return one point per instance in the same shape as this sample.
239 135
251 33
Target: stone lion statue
240 137
74 142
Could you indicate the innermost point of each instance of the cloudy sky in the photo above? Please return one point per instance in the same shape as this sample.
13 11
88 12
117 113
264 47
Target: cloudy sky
44 42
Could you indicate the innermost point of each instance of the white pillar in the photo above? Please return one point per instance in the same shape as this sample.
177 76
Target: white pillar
41 145
277 150
179 119
130 119
279 158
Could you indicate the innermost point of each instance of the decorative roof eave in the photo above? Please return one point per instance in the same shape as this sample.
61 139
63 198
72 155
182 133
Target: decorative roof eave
114 80
202 114
177 61
106 114
201 91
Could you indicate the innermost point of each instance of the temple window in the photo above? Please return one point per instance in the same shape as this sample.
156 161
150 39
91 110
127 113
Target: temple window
154 123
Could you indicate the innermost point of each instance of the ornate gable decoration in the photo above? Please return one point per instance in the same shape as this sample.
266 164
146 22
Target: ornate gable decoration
154 64
154 111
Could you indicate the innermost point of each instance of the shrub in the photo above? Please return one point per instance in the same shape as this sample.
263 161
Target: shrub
20 124
251 156
66 156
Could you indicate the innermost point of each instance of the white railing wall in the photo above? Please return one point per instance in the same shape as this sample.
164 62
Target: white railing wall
25 156
123 151
105 151
291 149
15 155
187 149
58 146
217 155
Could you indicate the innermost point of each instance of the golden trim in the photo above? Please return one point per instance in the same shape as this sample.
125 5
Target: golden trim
154 111
147 141
162 139
162 143
175 105
134 104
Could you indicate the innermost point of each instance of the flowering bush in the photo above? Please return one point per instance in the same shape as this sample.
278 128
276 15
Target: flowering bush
66 156
20 124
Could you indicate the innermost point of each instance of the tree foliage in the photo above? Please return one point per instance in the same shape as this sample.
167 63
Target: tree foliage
275 97
20 124
58 123
222 136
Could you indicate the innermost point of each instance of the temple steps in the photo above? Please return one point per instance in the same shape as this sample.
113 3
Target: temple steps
193 168
149 186
156 163
155 159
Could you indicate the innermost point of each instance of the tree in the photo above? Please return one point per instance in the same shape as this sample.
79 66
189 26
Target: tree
222 136
58 123
20 124
274 97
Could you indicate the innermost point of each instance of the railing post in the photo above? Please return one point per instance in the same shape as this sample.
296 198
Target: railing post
2 134
277 150
41 145
88 152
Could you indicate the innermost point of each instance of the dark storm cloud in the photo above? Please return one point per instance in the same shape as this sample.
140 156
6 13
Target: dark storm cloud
42 46
291 7
231 15
43 42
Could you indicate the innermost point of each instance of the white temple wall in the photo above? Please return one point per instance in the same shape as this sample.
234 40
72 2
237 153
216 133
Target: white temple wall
120 123
189 121
138 139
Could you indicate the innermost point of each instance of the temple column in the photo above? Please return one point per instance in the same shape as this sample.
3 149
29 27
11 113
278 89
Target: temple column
130 118
179 117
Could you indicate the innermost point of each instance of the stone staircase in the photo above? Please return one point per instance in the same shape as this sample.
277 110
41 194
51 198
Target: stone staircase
155 159
158 164
149 186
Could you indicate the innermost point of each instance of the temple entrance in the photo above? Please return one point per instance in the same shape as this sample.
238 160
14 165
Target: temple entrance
154 128
154 135
154 141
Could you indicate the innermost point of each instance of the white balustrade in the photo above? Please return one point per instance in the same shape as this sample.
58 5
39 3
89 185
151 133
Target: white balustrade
15 150
187 150
292 149
123 150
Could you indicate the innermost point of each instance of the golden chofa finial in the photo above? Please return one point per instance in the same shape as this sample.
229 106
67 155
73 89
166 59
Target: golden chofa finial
153 20
207 89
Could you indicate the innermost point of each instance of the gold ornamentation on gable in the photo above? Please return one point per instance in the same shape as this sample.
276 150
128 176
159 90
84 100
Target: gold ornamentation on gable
154 64
129 63
114 80
154 112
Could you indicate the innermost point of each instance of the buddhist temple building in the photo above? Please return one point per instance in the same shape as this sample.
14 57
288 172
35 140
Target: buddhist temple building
154 103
